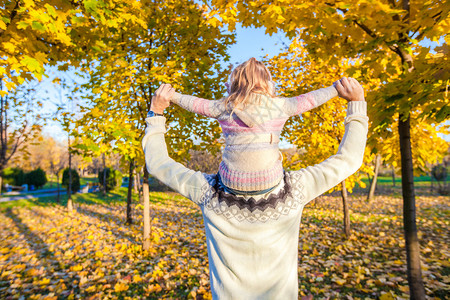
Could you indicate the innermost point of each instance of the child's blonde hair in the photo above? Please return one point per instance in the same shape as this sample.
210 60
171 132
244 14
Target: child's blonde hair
247 78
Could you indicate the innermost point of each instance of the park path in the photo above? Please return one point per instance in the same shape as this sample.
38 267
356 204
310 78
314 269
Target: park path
43 193
38 194
32 196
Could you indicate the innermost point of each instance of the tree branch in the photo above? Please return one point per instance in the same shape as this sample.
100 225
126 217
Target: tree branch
17 144
12 15
395 48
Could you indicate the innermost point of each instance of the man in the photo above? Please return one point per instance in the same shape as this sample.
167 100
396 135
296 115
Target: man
253 239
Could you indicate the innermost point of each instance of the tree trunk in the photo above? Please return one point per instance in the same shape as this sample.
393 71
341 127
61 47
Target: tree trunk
104 176
140 191
431 182
1 181
130 192
439 188
147 221
57 188
416 286
345 206
135 181
373 185
369 179
393 176
69 189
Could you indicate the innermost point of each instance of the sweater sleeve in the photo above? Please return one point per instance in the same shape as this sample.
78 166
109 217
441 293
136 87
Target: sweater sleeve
189 183
318 179
299 104
204 107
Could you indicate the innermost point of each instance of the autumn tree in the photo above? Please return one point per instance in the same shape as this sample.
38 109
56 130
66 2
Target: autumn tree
38 34
20 122
388 36
171 42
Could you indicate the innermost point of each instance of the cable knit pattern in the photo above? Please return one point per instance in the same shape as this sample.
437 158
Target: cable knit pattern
259 124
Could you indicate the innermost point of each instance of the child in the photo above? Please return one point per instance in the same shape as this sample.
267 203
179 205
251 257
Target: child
252 118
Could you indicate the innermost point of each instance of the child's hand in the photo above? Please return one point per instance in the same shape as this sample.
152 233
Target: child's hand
161 99
349 89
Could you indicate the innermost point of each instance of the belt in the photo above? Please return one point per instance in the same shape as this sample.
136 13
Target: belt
252 138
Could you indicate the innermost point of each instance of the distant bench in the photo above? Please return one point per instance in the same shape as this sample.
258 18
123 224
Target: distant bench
16 188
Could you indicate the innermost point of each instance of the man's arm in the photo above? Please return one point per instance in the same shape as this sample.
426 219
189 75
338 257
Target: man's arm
349 157
183 180
187 182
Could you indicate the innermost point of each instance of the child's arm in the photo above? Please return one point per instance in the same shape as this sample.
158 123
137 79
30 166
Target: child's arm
297 105
207 108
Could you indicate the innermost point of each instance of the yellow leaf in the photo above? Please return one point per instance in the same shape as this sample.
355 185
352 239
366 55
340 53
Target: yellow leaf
91 289
33 272
77 268
120 287
44 281
154 288
387 296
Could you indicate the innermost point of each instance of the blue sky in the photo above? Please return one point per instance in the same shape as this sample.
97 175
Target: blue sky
253 42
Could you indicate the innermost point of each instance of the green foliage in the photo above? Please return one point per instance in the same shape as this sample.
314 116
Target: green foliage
75 180
13 176
37 178
113 179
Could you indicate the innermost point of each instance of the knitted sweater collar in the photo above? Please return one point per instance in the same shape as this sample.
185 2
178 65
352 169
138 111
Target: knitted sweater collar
251 203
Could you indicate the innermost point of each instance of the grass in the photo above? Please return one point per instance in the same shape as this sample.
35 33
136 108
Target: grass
112 198
52 184
423 185
387 180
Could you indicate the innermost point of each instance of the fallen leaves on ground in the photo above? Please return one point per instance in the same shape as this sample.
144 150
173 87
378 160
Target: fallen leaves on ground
48 253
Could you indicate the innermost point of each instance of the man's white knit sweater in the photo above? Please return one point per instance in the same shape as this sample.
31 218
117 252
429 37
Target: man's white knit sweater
253 240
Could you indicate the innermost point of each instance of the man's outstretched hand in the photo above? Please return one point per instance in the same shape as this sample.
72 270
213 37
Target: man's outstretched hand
161 99
349 89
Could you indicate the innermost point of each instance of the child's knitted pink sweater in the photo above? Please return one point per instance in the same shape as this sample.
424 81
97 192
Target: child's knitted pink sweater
251 160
